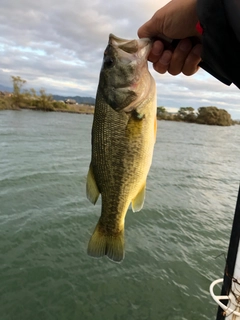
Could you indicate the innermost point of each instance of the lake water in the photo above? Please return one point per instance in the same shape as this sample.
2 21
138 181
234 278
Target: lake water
175 247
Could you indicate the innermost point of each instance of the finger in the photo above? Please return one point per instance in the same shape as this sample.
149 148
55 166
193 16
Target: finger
143 31
162 64
156 51
191 64
152 27
179 56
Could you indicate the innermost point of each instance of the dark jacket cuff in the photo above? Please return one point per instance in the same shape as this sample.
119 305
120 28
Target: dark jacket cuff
221 47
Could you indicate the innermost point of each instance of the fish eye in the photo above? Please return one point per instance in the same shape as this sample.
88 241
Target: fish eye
108 62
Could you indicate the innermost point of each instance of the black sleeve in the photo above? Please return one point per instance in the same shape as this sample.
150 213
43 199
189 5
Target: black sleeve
220 20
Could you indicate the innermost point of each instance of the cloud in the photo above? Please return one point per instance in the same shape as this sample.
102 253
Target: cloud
59 46
196 91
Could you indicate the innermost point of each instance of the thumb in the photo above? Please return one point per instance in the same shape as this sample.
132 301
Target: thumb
151 28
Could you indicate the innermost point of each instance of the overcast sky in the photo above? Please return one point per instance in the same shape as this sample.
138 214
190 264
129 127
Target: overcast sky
58 46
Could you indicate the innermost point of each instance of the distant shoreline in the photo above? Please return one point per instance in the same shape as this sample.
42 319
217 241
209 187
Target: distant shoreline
76 108
89 110
41 101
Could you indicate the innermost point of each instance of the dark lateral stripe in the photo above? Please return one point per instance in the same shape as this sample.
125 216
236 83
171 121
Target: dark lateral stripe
231 257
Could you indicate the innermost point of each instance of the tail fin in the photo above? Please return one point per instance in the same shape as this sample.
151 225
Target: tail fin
102 244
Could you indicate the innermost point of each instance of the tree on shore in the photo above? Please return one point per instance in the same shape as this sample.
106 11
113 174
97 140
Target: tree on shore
29 98
161 113
45 100
213 116
187 114
161 109
17 86
205 115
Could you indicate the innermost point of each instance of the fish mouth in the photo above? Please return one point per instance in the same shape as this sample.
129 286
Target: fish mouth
127 71
139 48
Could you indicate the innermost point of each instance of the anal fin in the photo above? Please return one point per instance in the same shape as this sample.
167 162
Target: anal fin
91 187
138 201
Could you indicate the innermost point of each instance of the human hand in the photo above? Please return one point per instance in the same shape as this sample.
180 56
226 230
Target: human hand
176 20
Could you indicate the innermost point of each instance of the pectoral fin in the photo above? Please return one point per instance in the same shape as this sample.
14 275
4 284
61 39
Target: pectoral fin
138 201
91 187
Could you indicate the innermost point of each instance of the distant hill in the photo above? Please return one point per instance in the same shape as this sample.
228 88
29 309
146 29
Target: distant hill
80 100
4 88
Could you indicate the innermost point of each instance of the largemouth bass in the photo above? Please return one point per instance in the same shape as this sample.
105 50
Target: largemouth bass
123 137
